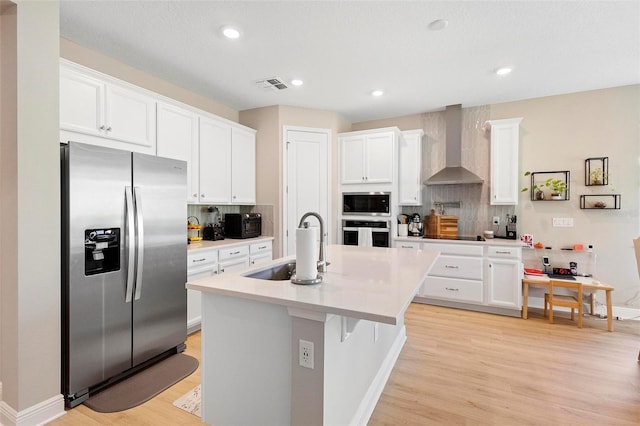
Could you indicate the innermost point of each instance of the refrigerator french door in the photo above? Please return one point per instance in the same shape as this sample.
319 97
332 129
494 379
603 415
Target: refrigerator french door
124 264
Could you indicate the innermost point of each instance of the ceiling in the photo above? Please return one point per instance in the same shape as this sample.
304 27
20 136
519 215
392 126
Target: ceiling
343 50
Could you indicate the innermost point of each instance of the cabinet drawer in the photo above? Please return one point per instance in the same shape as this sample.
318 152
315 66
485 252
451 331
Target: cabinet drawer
233 252
461 249
233 265
408 244
257 248
259 259
201 258
458 267
452 289
504 252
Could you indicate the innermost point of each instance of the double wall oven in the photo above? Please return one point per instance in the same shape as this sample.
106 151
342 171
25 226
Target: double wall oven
373 207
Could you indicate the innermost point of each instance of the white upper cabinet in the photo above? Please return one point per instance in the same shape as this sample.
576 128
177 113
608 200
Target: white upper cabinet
100 112
215 161
367 158
243 166
505 138
177 138
227 163
410 169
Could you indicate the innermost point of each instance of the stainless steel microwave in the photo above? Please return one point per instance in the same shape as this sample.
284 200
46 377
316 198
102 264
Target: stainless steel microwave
366 203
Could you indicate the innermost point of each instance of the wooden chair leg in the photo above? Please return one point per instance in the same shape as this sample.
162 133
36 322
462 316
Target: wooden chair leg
579 314
550 313
546 301
572 315
592 299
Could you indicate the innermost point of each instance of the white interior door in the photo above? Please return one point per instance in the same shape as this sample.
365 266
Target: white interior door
306 181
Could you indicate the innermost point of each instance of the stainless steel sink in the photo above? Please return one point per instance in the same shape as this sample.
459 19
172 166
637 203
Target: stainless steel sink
280 272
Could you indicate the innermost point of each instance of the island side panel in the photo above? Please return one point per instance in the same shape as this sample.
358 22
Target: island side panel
357 369
246 362
348 376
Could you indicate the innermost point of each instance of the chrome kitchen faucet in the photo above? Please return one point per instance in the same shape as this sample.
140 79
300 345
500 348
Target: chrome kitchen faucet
322 262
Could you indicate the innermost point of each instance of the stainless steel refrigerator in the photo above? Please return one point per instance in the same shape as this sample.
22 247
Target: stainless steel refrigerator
124 259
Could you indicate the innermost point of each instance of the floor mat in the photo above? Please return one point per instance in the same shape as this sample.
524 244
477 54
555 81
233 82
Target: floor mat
144 385
190 401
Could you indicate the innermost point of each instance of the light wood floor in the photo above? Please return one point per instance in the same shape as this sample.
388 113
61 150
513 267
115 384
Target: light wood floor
461 367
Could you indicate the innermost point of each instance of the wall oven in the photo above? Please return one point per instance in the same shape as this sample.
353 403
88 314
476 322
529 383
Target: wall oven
380 232
366 203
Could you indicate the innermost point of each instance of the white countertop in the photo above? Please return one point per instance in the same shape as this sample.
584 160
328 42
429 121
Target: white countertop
375 284
488 242
227 242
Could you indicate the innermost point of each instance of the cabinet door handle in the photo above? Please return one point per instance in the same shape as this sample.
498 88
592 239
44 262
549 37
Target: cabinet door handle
221 270
406 247
195 195
202 195
502 252
262 247
234 252
253 262
450 289
234 197
450 267
102 127
109 129
199 260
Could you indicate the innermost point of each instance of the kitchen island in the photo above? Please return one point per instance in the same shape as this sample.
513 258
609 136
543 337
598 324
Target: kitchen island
348 331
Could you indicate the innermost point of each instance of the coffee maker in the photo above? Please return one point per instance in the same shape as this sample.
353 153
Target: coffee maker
212 231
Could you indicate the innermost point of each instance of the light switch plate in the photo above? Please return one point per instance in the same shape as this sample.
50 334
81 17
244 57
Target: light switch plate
563 222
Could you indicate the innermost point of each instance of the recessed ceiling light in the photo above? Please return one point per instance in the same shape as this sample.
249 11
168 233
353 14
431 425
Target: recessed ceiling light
377 93
438 25
504 70
230 32
297 82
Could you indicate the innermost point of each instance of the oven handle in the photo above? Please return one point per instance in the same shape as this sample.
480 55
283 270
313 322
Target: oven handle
372 229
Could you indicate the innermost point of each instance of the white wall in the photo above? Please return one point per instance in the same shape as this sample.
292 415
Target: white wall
559 133
30 225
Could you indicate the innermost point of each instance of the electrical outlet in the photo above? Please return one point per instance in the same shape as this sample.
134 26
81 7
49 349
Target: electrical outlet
306 354
496 220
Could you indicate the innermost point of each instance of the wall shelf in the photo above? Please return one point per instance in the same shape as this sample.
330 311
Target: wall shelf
539 178
600 202
596 171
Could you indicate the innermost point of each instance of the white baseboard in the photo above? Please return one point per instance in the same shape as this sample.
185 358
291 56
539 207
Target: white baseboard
622 312
368 403
39 414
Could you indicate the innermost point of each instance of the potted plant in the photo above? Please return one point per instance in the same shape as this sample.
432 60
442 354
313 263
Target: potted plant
557 187
598 177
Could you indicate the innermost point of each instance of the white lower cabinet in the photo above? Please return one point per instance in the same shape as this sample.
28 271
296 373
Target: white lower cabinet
503 269
407 244
474 276
200 264
260 253
453 289
233 259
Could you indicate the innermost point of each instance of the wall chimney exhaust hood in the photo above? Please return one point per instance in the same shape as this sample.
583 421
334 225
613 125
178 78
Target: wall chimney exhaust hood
453 173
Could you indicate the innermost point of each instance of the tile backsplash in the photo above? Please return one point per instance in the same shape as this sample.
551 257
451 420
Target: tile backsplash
267 211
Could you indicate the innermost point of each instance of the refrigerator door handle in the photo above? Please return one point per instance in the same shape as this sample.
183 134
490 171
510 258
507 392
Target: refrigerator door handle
140 242
131 235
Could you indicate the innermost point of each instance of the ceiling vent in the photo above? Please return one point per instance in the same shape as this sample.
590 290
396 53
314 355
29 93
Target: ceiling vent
273 83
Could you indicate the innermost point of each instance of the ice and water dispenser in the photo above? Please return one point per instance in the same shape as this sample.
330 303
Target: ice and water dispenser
101 250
